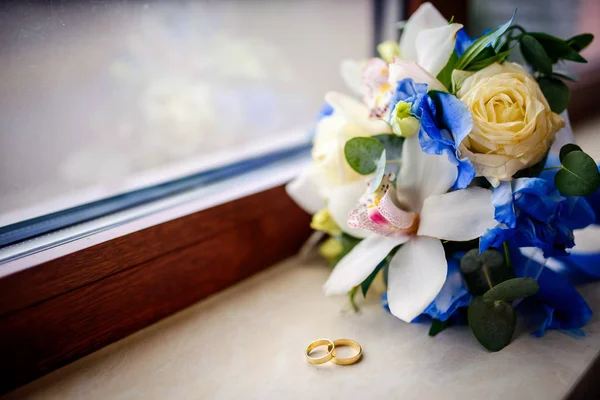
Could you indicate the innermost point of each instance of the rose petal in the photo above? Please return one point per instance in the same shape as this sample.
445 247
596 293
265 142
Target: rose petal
416 274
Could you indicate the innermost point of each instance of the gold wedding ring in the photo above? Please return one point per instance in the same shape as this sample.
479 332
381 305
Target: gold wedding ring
347 343
318 343
331 347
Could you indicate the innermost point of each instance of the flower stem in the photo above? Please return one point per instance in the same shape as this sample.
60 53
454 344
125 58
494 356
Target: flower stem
486 272
507 255
351 295
555 167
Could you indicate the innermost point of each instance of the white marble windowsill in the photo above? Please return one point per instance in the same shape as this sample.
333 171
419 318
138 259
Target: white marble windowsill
248 341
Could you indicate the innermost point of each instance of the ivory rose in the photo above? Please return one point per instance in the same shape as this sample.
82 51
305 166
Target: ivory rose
513 126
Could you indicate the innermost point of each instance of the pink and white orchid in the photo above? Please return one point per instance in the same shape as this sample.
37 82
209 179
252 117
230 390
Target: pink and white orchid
417 214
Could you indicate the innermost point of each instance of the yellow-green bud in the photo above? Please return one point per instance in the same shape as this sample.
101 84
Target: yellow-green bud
331 249
322 221
388 50
402 122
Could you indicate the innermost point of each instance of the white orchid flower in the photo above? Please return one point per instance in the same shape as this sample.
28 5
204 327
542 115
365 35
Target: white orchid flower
329 181
418 214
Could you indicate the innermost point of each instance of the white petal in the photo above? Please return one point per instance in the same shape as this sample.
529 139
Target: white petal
359 263
460 216
351 71
344 199
404 69
435 46
416 275
587 240
425 17
304 190
422 175
356 113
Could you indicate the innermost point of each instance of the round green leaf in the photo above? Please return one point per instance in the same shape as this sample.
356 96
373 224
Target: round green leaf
392 145
556 92
512 289
362 154
566 149
535 54
472 268
578 176
492 323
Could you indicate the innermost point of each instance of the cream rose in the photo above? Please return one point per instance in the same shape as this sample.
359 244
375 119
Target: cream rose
513 126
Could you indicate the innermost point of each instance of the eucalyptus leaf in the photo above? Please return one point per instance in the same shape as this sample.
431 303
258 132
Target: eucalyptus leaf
379 173
556 92
445 75
512 289
362 154
483 271
392 145
535 54
480 44
492 323
581 41
566 149
578 175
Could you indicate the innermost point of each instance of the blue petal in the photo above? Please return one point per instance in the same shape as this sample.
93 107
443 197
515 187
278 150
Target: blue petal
454 294
502 199
538 198
445 122
495 237
577 213
564 307
579 268
409 91
325 111
463 41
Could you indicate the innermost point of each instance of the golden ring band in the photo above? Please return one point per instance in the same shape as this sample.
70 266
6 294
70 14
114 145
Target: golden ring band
331 347
318 343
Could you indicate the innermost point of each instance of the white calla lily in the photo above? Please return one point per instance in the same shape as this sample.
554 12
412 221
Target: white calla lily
435 46
421 214
401 69
425 17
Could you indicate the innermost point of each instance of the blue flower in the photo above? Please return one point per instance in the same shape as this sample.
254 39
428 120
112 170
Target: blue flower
532 213
325 111
558 304
452 296
445 122
463 41
409 92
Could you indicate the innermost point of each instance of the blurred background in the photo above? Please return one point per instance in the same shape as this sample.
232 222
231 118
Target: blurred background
99 98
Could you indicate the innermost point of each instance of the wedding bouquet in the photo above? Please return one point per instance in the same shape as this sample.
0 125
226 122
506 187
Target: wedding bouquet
446 180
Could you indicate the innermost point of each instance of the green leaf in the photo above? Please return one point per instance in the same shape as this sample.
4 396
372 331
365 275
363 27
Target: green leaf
480 44
379 173
578 175
392 145
445 75
535 54
362 154
564 75
566 149
366 284
478 65
556 92
483 271
512 289
492 323
351 298
437 326
557 48
581 41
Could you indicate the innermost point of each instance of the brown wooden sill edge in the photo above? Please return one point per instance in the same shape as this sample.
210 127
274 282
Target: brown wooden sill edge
62 310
